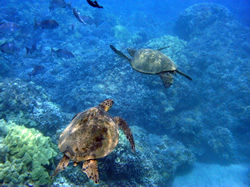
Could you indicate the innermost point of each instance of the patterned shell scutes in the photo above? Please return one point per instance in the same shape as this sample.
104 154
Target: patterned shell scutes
152 62
91 134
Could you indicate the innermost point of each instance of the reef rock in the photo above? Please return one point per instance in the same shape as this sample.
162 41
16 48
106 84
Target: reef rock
199 17
28 104
222 143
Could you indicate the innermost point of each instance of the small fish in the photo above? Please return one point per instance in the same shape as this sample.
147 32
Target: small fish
31 50
46 24
94 4
81 18
36 70
78 16
9 27
58 4
63 53
8 47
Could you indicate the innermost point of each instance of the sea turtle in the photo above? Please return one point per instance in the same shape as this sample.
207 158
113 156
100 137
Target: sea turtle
151 61
92 134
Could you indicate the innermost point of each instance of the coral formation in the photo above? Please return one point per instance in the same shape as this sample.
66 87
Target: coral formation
28 104
28 155
199 17
222 143
216 53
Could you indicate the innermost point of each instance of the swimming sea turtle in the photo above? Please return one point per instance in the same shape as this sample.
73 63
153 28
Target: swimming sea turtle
152 62
92 134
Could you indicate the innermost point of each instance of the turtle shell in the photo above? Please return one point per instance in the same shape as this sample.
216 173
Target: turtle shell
91 134
152 62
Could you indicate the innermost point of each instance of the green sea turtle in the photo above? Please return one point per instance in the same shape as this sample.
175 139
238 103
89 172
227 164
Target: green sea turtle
92 134
152 62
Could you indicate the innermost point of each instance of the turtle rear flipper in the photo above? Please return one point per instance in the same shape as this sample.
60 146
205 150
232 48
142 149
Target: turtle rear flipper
126 130
119 53
91 169
163 48
183 74
167 79
61 165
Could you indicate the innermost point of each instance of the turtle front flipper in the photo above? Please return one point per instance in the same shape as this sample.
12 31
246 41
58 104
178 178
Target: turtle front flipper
119 53
90 167
61 165
126 130
167 79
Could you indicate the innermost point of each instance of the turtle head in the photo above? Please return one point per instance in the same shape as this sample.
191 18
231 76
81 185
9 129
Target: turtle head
131 52
106 104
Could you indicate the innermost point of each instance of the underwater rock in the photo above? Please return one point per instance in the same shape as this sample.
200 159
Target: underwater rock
222 143
29 157
4 67
199 17
28 104
216 48
121 33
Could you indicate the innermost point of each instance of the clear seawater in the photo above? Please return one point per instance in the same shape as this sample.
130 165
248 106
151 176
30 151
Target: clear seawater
193 134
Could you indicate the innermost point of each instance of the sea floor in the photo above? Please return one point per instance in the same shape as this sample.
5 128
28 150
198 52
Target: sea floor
213 175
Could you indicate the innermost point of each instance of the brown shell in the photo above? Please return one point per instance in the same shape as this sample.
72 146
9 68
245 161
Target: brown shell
152 62
91 134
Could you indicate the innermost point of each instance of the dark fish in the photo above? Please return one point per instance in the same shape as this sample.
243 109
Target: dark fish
36 70
94 4
8 48
46 24
58 4
63 53
31 50
83 19
9 27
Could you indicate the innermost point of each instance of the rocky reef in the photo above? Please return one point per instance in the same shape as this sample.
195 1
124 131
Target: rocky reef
222 143
216 51
28 104
201 17
26 156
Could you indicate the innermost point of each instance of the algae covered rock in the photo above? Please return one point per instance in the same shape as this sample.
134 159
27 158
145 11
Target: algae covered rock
28 158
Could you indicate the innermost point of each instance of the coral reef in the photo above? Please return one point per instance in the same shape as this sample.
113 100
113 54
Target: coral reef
28 104
222 143
207 117
199 17
216 51
156 160
28 156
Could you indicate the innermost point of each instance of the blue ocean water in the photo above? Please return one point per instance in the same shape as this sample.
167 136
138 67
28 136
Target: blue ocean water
56 60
